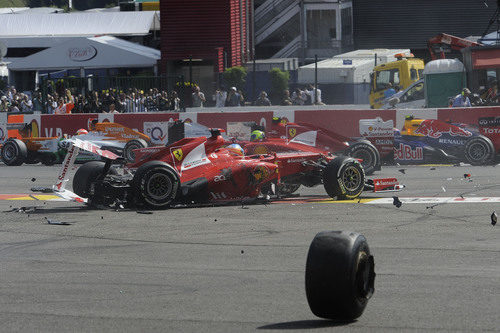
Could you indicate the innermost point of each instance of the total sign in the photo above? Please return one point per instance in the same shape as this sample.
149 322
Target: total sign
157 131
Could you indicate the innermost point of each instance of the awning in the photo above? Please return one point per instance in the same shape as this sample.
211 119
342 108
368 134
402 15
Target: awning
85 52
77 24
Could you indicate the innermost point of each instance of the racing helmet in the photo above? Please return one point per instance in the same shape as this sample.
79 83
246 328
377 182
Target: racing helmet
82 131
257 136
236 149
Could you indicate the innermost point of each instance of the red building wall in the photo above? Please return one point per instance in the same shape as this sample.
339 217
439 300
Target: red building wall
198 27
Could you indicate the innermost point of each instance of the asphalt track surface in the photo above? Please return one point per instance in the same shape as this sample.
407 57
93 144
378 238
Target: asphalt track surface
238 269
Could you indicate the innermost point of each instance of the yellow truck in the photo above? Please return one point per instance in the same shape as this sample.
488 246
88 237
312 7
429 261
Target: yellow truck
402 72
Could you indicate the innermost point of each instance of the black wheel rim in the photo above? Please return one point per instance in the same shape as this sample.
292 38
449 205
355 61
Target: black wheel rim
477 151
159 186
9 152
365 156
351 177
129 154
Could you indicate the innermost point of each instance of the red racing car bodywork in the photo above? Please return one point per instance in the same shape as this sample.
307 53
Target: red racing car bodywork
202 169
306 137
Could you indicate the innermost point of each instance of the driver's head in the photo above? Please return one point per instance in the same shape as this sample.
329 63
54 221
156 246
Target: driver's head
236 149
257 136
82 131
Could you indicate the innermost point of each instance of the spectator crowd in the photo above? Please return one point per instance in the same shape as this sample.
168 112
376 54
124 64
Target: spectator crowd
135 100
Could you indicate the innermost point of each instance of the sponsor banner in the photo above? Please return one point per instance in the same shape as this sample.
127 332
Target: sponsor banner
343 122
136 120
56 125
157 131
469 116
489 121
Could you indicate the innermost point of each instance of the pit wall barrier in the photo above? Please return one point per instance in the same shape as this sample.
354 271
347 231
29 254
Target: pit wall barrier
341 121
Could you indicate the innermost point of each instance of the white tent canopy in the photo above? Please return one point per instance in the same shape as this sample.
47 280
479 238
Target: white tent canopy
78 24
85 52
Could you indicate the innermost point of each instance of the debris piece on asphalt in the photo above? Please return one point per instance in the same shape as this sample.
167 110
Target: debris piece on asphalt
403 171
33 179
449 178
433 168
431 207
396 202
215 220
50 221
494 218
42 189
242 251
442 187
102 217
29 209
144 212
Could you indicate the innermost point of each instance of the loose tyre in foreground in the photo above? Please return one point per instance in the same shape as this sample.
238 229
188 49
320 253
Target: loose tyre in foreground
340 275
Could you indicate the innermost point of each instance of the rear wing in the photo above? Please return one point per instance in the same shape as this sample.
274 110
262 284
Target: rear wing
59 188
69 160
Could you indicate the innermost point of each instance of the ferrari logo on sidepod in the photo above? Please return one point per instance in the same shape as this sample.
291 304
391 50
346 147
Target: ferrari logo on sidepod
292 131
178 154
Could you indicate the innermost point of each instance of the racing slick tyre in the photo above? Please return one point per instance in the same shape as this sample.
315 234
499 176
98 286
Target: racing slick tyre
479 150
48 159
86 174
14 152
287 189
128 150
156 184
369 155
340 275
344 178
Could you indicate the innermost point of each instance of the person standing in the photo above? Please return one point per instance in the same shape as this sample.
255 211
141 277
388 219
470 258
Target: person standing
233 98
198 98
286 100
462 99
315 94
299 97
219 98
61 107
263 100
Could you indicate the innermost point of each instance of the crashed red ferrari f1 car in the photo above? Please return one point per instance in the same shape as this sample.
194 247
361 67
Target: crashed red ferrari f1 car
203 169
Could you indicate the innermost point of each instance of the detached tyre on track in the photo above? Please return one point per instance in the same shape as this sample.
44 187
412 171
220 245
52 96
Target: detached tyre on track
14 152
479 150
128 150
344 178
156 184
369 155
340 275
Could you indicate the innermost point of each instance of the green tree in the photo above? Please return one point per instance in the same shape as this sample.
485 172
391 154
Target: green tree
235 77
279 83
